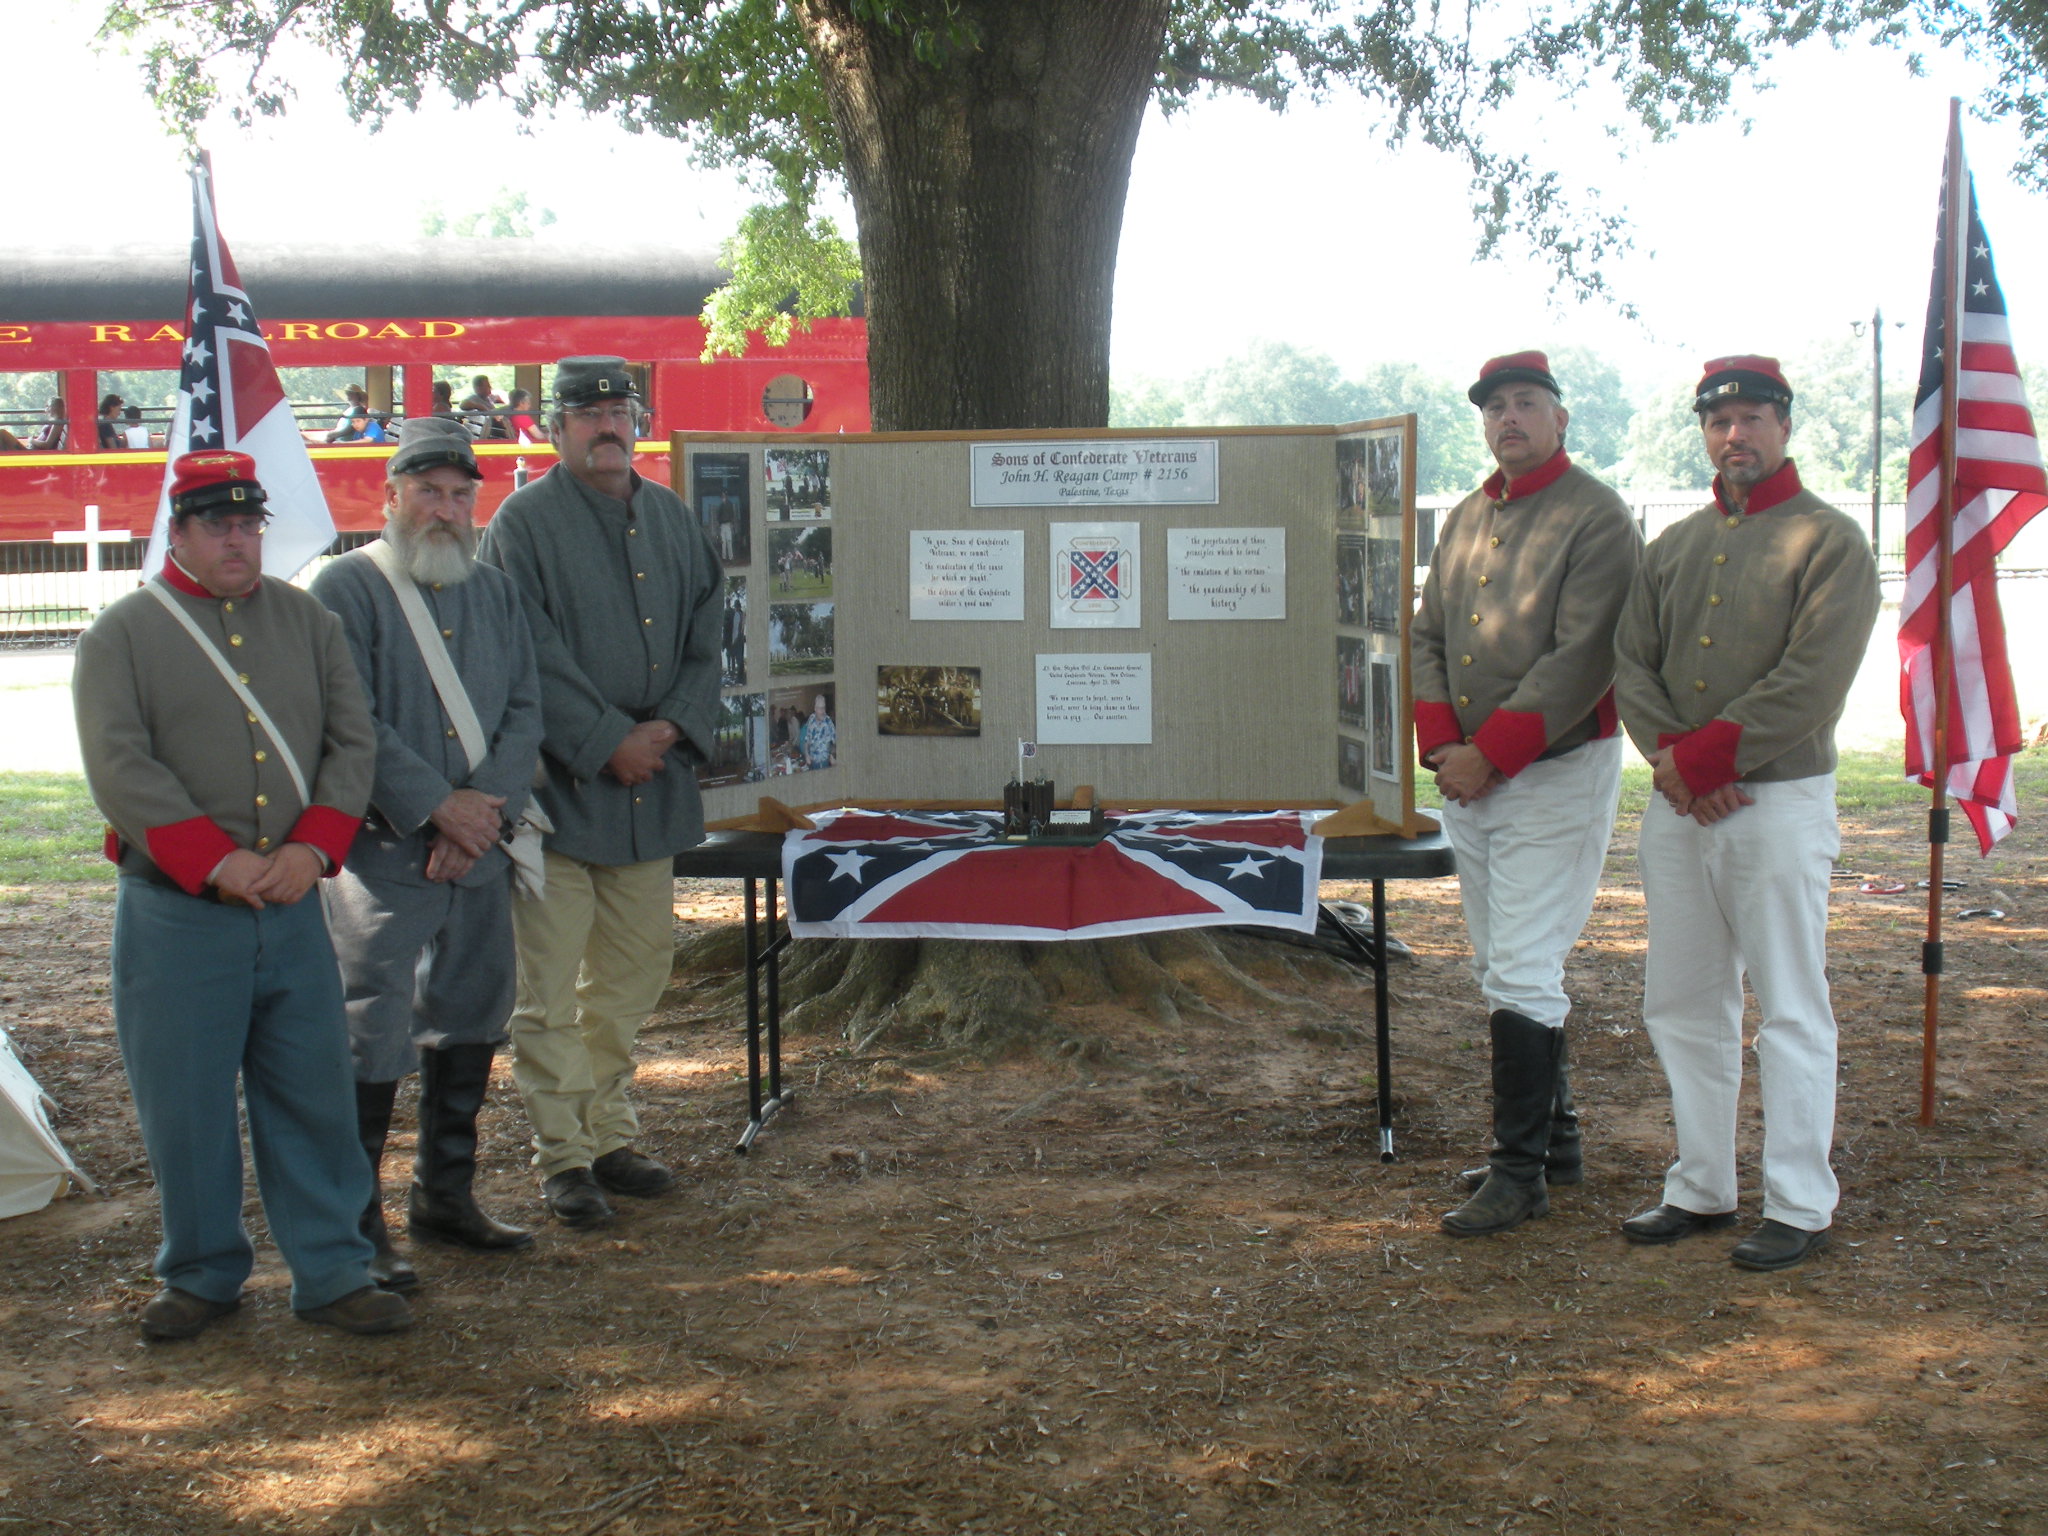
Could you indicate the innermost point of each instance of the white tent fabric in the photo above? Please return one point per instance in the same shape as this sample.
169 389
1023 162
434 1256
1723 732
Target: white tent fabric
34 1167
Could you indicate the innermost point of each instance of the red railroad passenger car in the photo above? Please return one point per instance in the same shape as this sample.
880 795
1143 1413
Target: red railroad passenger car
397 318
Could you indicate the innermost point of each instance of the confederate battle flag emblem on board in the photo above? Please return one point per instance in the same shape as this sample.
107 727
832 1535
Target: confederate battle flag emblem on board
1095 575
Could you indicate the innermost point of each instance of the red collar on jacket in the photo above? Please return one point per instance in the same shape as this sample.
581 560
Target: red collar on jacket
178 579
1543 475
1779 486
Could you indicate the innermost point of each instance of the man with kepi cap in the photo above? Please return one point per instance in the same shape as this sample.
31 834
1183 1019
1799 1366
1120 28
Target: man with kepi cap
622 588
1513 663
1743 631
226 742
422 913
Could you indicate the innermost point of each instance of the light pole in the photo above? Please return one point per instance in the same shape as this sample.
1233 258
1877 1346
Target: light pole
1876 324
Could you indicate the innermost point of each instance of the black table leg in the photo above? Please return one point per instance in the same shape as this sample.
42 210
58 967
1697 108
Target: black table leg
1375 955
763 956
1382 1028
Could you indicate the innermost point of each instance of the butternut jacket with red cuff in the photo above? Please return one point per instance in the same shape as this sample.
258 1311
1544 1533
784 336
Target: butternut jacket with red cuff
1743 633
182 772
1513 649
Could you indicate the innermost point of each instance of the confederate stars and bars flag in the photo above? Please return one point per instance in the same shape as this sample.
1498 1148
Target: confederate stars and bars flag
229 397
881 874
1999 485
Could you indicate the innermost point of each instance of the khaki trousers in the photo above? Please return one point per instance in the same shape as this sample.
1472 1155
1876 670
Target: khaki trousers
594 955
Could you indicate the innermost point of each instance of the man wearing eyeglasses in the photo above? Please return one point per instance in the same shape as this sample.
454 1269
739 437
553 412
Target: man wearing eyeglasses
622 588
227 743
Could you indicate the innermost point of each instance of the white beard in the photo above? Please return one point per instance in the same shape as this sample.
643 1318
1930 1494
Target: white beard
445 557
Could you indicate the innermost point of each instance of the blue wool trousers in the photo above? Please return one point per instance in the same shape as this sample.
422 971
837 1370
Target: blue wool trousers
207 997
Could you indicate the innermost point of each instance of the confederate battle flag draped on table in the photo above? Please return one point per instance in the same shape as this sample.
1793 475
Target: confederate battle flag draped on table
1975 479
882 874
229 397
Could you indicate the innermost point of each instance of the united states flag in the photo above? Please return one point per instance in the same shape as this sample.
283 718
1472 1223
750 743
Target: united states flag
229 397
886 875
1999 486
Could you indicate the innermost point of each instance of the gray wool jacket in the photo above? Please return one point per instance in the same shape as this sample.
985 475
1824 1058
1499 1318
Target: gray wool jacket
624 601
420 760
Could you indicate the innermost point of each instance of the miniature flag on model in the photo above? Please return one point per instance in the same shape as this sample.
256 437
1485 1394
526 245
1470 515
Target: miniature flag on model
229 397
1998 485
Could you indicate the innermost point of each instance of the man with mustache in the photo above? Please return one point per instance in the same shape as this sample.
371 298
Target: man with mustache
1742 635
622 587
226 741
1513 666
422 914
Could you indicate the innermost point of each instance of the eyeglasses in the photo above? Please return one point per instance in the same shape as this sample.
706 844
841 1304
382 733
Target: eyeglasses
610 415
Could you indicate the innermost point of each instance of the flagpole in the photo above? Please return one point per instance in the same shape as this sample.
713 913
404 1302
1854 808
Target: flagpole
1955 230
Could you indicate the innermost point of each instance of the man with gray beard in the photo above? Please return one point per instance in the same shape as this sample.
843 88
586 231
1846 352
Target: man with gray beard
421 913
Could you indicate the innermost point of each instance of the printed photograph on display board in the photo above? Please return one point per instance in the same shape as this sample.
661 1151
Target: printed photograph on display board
1353 490
719 484
799 483
739 742
1386 714
928 701
803 729
1385 596
1383 473
1351 763
800 561
1094 575
799 638
732 635
1351 684
1351 580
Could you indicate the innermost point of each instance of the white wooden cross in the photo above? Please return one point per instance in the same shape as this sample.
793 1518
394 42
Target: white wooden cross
92 536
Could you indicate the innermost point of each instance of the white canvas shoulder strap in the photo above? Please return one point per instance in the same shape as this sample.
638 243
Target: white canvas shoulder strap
233 679
440 665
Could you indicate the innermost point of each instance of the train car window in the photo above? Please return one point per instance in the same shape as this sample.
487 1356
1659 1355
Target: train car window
787 400
24 405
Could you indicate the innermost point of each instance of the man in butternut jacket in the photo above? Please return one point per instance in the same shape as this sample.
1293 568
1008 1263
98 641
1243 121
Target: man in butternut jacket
1742 634
1513 665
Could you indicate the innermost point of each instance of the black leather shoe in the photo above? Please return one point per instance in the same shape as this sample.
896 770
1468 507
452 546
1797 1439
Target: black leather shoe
1669 1223
626 1172
573 1198
1777 1246
176 1314
368 1310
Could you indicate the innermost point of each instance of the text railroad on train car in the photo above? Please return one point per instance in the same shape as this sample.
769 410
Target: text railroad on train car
361 336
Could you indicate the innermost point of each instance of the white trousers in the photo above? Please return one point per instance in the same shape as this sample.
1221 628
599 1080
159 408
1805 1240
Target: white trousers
1746 895
1529 861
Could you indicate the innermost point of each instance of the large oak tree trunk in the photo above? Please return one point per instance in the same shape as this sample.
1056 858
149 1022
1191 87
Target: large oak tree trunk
989 184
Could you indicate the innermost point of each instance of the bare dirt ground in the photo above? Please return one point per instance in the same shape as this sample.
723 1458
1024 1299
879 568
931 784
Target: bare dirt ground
1159 1284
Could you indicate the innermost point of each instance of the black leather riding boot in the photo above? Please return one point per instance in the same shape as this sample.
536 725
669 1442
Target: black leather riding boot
442 1207
388 1267
1527 1058
1565 1161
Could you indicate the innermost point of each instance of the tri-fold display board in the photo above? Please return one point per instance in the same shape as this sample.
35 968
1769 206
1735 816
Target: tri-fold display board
1186 617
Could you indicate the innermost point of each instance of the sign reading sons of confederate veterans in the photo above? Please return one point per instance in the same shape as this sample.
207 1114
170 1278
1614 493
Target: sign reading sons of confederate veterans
1094 472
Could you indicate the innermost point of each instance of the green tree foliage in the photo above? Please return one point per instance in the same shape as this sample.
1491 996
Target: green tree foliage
987 143
508 216
1274 383
1599 404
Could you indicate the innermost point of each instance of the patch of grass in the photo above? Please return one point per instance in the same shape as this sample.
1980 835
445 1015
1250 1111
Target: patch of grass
50 832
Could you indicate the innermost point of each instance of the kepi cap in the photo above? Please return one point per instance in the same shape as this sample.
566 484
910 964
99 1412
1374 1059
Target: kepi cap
1742 378
1514 368
428 442
593 380
221 483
